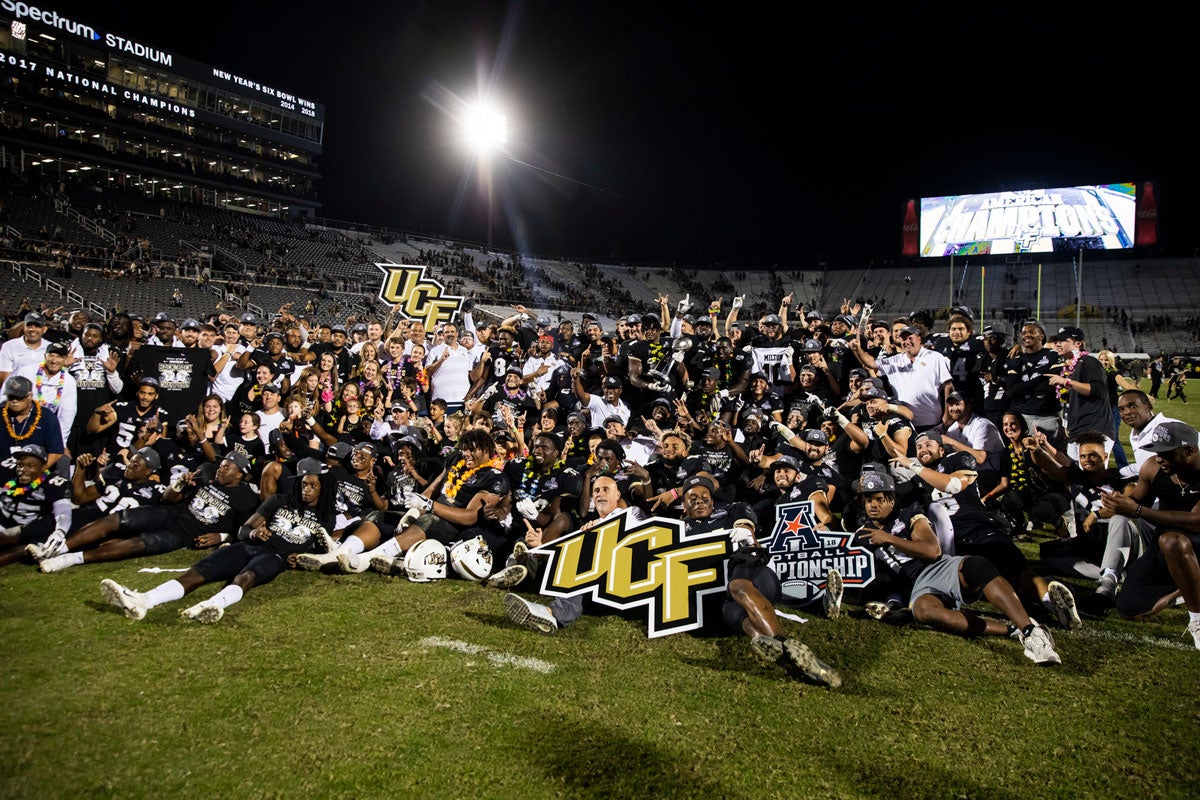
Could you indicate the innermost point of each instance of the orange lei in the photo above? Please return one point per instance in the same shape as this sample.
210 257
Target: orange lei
455 478
37 417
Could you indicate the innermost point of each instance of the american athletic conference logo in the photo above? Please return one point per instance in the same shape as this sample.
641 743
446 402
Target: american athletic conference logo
802 556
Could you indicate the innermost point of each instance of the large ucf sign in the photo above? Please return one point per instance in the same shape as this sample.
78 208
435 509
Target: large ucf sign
652 563
420 297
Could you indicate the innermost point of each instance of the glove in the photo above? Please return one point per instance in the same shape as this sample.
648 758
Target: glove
683 304
742 537
782 430
841 418
527 508
737 301
468 305
723 394
677 357
417 501
659 386
789 352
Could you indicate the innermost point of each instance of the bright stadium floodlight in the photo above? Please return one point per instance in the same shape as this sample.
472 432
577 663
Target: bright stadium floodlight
485 129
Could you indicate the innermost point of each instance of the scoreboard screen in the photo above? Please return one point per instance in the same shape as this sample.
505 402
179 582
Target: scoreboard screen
1099 217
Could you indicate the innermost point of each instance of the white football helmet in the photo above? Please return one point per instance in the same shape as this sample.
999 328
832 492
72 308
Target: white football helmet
425 561
472 559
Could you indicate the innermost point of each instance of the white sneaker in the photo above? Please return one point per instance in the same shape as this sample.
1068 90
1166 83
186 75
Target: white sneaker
1062 602
387 565
529 615
353 564
131 602
833 594
507 577
1039 646
206 613
55 545
314 562
1106 587
1194 629
328 542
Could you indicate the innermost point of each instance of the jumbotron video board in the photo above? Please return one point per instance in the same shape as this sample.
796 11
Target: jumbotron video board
1099 217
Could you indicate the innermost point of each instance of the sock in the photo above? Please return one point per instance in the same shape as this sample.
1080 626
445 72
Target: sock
164 593
1046 602
68 559
390 548
1028 629
351 546
1109 571
227 596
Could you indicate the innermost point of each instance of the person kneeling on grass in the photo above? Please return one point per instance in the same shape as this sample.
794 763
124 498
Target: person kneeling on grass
941 584
282 528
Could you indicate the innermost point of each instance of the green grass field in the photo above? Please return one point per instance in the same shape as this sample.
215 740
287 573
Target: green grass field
362 686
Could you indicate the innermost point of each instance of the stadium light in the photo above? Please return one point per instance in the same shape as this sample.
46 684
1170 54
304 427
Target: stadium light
484 128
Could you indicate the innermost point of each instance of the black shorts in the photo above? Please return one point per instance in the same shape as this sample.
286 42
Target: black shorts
151 524
228 562
1005 556
1147 579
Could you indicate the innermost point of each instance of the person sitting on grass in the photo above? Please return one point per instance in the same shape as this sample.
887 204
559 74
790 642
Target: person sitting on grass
35 505
942 584
1168 568
283 527
216 508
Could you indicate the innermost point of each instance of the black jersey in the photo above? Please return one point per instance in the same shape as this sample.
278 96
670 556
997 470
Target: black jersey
973 523
21 505
118 493
293 529
129 421
215 509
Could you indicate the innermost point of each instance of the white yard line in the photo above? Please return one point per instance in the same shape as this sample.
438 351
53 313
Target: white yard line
497 658
1129 638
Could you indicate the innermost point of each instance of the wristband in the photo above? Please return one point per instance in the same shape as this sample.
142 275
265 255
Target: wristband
1137 512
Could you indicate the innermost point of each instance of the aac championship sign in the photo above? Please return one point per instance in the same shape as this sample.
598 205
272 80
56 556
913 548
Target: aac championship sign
802 556
420 296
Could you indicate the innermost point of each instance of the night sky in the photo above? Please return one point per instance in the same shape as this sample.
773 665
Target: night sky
691 134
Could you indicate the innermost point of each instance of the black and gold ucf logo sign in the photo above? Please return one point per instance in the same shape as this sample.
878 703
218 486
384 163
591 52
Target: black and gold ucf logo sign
420 297
652 563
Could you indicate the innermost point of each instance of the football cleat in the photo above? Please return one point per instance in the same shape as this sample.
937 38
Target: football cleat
1062 602
832 600
798 655
131 602
507 577
388 565
55 545
207 613
314 562
353 564
529 615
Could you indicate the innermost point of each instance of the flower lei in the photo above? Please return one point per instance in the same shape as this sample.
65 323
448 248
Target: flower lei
656 351
1017 475
456 477
37 417
1068 370
37 385
13 490
531 479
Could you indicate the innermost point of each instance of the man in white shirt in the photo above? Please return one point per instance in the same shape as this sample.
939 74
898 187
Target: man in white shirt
967 431
53 387
920 376
1137 411
228 376
449 368
271 414
606 404
27 349
541 363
